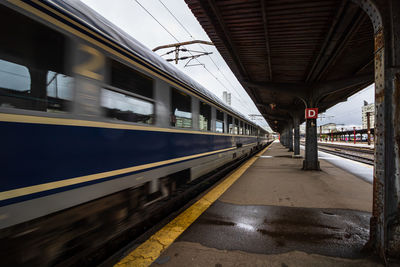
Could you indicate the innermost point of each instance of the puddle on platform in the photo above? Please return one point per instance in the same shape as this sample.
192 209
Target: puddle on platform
277 229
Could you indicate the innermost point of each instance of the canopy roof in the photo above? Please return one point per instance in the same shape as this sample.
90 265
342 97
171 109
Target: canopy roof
285 51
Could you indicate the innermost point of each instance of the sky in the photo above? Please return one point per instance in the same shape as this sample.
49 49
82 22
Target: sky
215 75
348 113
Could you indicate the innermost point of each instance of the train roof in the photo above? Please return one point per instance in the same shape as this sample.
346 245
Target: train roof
84 14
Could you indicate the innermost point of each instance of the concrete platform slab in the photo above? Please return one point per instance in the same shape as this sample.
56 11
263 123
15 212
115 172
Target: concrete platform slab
277 179
196 255
275 214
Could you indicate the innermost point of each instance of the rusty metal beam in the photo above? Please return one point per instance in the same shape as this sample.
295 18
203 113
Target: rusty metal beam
327 39
277 106
265 24
353 28
331 87
365 65
289 88
276 118
385 221
322 88
335 41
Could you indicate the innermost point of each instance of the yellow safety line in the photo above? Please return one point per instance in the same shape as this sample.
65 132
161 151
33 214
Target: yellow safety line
149 251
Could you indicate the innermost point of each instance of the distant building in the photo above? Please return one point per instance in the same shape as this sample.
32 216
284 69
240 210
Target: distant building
203 123
327 128
303 129
365 109
227 97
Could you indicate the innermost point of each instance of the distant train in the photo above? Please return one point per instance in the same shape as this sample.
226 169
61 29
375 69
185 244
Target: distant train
89 115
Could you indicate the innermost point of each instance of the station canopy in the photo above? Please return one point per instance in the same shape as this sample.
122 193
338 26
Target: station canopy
286 52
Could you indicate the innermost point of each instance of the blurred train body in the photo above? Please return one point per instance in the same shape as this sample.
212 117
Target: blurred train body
94 125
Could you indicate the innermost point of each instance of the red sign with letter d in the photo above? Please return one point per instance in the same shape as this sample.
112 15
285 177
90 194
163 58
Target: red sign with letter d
311 113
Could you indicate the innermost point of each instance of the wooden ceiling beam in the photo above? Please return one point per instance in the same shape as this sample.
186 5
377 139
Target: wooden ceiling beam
226 35
265 24
327 39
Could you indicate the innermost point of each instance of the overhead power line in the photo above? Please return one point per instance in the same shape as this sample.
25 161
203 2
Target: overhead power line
191 36
176 39
187 31
156 20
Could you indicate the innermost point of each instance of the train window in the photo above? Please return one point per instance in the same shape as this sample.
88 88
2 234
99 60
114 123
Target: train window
230 124
205 117
241 127
219 123
32 67
246 129
129 98
120 106
15 82
236 127
59 91
130 80
181 109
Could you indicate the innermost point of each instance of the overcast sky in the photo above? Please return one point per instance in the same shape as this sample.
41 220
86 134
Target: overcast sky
349 112
216 75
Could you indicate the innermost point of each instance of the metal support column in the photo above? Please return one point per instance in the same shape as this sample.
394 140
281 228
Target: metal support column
391 121
369 128
287 138
385 221
296 124
311 151
290 137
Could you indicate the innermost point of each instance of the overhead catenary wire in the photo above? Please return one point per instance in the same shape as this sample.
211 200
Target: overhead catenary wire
191 36
176 39
156 20
216 78
204 50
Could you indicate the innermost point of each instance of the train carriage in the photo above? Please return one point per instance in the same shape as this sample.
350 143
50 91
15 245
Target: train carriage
87 112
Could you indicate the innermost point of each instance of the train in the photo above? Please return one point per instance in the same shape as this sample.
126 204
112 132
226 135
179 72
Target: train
94 125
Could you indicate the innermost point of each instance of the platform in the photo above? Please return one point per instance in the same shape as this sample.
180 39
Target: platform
275 214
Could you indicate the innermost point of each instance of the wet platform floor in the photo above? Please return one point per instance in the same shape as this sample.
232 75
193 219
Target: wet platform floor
273 229
275 214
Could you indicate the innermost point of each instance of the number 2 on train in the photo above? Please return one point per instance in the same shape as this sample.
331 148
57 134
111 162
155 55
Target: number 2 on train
93 65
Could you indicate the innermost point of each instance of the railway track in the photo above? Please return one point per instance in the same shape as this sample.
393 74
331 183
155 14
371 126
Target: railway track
365 150
360 154
349 156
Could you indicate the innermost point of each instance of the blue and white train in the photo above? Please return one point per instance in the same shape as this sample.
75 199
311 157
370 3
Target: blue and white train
87 112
